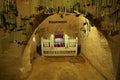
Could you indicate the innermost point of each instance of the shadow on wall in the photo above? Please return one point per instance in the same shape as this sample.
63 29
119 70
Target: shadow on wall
39 51
95 21
79 50
98 23
115 49
118 71
39 19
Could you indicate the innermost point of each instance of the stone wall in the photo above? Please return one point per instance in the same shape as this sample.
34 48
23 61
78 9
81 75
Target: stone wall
29 54
96 49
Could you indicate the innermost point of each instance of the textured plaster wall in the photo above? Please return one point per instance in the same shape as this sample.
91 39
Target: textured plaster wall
28 54
96 49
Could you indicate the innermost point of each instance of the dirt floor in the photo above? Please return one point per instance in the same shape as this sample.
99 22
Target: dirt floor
63 68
